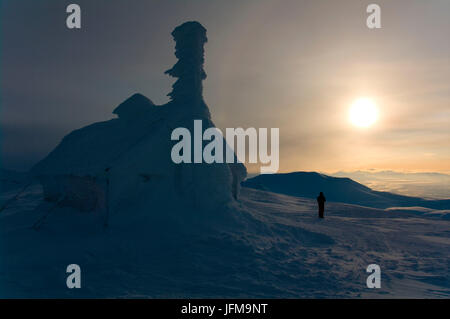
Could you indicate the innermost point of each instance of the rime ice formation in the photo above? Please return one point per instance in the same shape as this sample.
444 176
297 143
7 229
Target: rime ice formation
124 164
190 39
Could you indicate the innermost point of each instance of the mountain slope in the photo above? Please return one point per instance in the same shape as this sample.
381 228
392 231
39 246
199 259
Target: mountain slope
278 249
336 189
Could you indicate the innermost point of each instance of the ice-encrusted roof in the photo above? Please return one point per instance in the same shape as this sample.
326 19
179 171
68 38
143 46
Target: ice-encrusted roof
91 149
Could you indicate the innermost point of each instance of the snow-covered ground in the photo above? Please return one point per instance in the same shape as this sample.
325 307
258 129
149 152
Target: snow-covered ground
268 245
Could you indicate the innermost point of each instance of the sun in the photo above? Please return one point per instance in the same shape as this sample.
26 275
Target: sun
363 112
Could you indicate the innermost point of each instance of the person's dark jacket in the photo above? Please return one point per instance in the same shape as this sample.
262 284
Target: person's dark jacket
321 200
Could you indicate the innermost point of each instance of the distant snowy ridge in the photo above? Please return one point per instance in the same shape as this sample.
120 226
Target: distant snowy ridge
336 189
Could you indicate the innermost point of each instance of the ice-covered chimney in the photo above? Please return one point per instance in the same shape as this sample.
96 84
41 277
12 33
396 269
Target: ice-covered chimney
190 38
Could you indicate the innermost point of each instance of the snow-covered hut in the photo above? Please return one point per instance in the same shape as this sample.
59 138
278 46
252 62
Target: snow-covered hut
125 163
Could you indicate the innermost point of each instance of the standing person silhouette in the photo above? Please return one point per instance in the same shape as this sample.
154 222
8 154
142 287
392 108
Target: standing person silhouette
321 201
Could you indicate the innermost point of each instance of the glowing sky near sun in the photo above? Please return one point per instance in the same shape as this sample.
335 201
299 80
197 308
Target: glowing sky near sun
301 73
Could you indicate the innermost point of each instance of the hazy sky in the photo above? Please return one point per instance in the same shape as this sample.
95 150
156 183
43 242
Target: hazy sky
296 65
